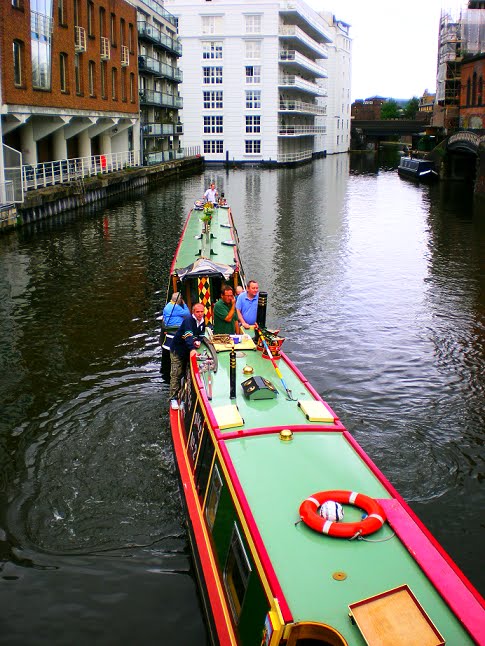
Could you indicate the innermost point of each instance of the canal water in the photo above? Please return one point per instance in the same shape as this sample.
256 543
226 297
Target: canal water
378 285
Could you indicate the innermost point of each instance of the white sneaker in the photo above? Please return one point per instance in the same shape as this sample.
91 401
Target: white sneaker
174 405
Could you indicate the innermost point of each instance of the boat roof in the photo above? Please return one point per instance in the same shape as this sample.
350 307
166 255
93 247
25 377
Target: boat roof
217 247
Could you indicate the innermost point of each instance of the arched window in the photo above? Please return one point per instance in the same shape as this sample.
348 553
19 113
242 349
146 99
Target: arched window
468 92
480 91
63 72
114 83
474 89
18 61
92 78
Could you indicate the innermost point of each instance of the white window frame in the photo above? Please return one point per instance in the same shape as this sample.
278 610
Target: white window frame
213 124
212 75
213 99
253 123
253 74
253 99
212 49
253 23
252 146
253 49
213 146
211 24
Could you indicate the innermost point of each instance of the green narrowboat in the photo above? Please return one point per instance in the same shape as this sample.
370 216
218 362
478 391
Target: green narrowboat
298 538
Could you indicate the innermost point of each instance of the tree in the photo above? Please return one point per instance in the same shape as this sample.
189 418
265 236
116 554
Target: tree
390 110
412 106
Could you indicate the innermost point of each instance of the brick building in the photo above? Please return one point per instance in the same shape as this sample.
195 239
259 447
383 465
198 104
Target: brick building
472 94
69 73
367 109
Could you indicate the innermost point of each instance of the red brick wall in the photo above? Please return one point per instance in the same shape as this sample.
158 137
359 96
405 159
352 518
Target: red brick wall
472 115
15 24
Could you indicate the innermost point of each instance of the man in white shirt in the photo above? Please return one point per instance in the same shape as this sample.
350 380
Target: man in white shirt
211 194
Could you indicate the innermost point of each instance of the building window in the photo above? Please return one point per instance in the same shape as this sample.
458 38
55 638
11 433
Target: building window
253 99
213 100
92 77
253 146
114 82
480 91
122 32
132 87
237 571
104 79
78 73
213 146
76 12
212 75
474 89
253 73
90 19
113 30
123 84
253 24
130 38
213 124
18 56
253 49
18 4
63 72
102 22
253 124
61 12
468 91
211 24
212 49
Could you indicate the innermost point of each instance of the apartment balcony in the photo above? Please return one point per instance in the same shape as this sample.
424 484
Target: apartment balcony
300 107
288 158
301 131
125 56
160 99
160 9
296 62
105 52
159 129
291 81
299 13
158 68
297 38
79 39
152 34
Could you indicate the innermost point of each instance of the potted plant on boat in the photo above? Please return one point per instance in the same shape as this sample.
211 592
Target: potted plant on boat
207 213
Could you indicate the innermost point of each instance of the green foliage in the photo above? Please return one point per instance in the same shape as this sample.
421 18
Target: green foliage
390 110
411 108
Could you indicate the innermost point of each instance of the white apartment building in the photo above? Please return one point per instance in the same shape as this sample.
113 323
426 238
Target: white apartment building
159 50
251 72
338 84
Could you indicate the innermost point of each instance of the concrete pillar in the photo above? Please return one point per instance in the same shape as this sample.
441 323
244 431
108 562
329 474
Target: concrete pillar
59 144
105 144
28 145
84 144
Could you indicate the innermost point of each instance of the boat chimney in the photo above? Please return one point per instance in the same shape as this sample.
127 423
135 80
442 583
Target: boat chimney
232 374
262 305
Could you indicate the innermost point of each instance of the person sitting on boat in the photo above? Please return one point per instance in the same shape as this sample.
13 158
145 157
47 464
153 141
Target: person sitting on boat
225 314
211 194
222 200
175 311
247 305
186 339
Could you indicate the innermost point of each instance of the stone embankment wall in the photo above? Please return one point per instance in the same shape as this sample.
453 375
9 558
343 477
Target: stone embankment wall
53 200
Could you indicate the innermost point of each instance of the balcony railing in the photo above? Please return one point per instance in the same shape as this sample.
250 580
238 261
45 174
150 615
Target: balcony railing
150 64
79 39
104 48
298 83
7 193
161 11
158 129
125 56
62 171
147 30
301 106
153 97
301 131
291 57
285 158
292 31
312 18
169 155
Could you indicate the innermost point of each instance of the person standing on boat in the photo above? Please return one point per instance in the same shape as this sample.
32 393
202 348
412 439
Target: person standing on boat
175 311
186 339
225 314
211 194
247 305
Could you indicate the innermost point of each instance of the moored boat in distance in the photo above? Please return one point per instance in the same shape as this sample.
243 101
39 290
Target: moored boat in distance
421 170
298 538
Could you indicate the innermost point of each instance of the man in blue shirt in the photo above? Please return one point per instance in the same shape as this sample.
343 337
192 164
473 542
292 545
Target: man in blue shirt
175 311
247 305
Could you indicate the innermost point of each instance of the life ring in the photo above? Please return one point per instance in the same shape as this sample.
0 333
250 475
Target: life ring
376 516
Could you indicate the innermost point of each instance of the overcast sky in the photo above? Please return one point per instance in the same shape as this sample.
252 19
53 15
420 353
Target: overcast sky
394 50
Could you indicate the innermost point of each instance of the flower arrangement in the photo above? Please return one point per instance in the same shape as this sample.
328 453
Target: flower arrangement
207 212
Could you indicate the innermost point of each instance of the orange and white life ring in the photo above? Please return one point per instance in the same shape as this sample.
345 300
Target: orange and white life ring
375 519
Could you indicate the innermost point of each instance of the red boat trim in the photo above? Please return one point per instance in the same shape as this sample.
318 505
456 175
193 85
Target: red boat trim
256 536
225 435
220 611
465 601
308 385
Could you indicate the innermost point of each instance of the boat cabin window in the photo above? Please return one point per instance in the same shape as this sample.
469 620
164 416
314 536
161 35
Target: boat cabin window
236 573
204 462
213 497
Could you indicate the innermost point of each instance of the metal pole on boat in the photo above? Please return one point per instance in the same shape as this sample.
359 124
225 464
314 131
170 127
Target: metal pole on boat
232 374
277 370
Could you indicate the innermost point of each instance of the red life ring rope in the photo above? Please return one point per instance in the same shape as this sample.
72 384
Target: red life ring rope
376 516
